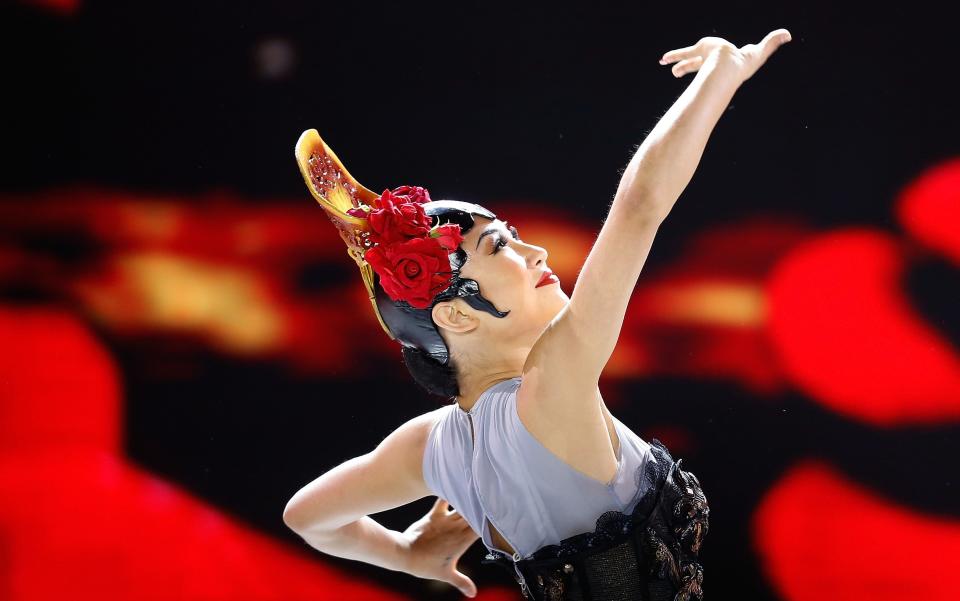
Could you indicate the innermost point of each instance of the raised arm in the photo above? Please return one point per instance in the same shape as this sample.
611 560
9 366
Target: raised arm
564 365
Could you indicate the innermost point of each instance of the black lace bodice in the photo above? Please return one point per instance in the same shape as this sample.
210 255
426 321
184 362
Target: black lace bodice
649 554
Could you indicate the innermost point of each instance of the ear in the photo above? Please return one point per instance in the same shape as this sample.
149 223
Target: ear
454 316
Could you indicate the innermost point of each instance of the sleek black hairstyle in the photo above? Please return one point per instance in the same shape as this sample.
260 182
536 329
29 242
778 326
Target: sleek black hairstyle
424 352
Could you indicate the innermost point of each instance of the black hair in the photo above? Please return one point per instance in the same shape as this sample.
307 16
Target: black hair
431 375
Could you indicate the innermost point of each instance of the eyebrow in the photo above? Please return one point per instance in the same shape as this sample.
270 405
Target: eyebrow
490 230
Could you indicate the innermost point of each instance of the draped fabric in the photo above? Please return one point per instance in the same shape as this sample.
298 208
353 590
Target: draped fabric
507 477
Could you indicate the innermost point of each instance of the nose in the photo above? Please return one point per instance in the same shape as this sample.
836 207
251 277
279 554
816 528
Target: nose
536 256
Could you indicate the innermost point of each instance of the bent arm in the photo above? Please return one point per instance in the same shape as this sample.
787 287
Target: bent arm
565 364
331 513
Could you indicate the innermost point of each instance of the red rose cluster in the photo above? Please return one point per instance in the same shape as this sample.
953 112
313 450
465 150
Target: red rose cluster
410 256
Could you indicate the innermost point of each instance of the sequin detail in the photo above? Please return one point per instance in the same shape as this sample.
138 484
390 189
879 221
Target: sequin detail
326 176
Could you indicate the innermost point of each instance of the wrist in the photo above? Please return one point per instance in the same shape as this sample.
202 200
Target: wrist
403 547
725 62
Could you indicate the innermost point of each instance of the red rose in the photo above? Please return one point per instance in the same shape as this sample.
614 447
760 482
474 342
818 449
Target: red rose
413 193
448 235
411 270
396 220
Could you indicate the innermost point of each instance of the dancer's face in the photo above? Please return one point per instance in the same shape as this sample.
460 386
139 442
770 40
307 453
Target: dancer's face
507 269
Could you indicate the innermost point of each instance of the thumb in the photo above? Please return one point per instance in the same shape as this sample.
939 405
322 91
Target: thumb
439 507
466 586
774 40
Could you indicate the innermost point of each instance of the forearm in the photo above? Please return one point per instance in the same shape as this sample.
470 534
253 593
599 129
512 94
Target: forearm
363 540
666 160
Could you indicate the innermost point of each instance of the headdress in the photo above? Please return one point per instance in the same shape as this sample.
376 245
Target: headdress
405 244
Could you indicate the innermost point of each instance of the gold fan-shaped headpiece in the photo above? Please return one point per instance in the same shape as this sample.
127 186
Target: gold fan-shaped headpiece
337 192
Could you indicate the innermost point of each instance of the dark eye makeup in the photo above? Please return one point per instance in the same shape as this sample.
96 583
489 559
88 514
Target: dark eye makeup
501 241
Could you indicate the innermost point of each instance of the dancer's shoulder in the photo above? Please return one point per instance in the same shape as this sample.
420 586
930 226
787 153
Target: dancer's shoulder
415 430
386 477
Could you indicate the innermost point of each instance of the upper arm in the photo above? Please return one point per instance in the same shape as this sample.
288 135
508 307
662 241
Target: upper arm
389 476
565 363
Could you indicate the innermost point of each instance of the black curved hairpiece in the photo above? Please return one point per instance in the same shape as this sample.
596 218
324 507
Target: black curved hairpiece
414 327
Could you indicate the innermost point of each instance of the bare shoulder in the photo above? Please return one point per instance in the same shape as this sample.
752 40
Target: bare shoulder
408 441
388 476
577 429
559 411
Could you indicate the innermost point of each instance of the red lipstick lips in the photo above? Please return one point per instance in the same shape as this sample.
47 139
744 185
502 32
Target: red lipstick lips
547 278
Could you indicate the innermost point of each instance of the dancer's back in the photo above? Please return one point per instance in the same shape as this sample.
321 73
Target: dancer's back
490 467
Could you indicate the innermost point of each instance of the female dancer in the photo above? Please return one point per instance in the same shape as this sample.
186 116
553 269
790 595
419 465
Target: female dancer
561 492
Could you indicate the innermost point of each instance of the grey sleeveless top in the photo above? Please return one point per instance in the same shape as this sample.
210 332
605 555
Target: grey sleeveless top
510 479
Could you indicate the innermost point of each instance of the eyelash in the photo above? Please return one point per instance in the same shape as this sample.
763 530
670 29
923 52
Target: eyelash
500 243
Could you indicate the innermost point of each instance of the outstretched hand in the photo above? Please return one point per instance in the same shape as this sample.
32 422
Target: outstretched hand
747 58
436 542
